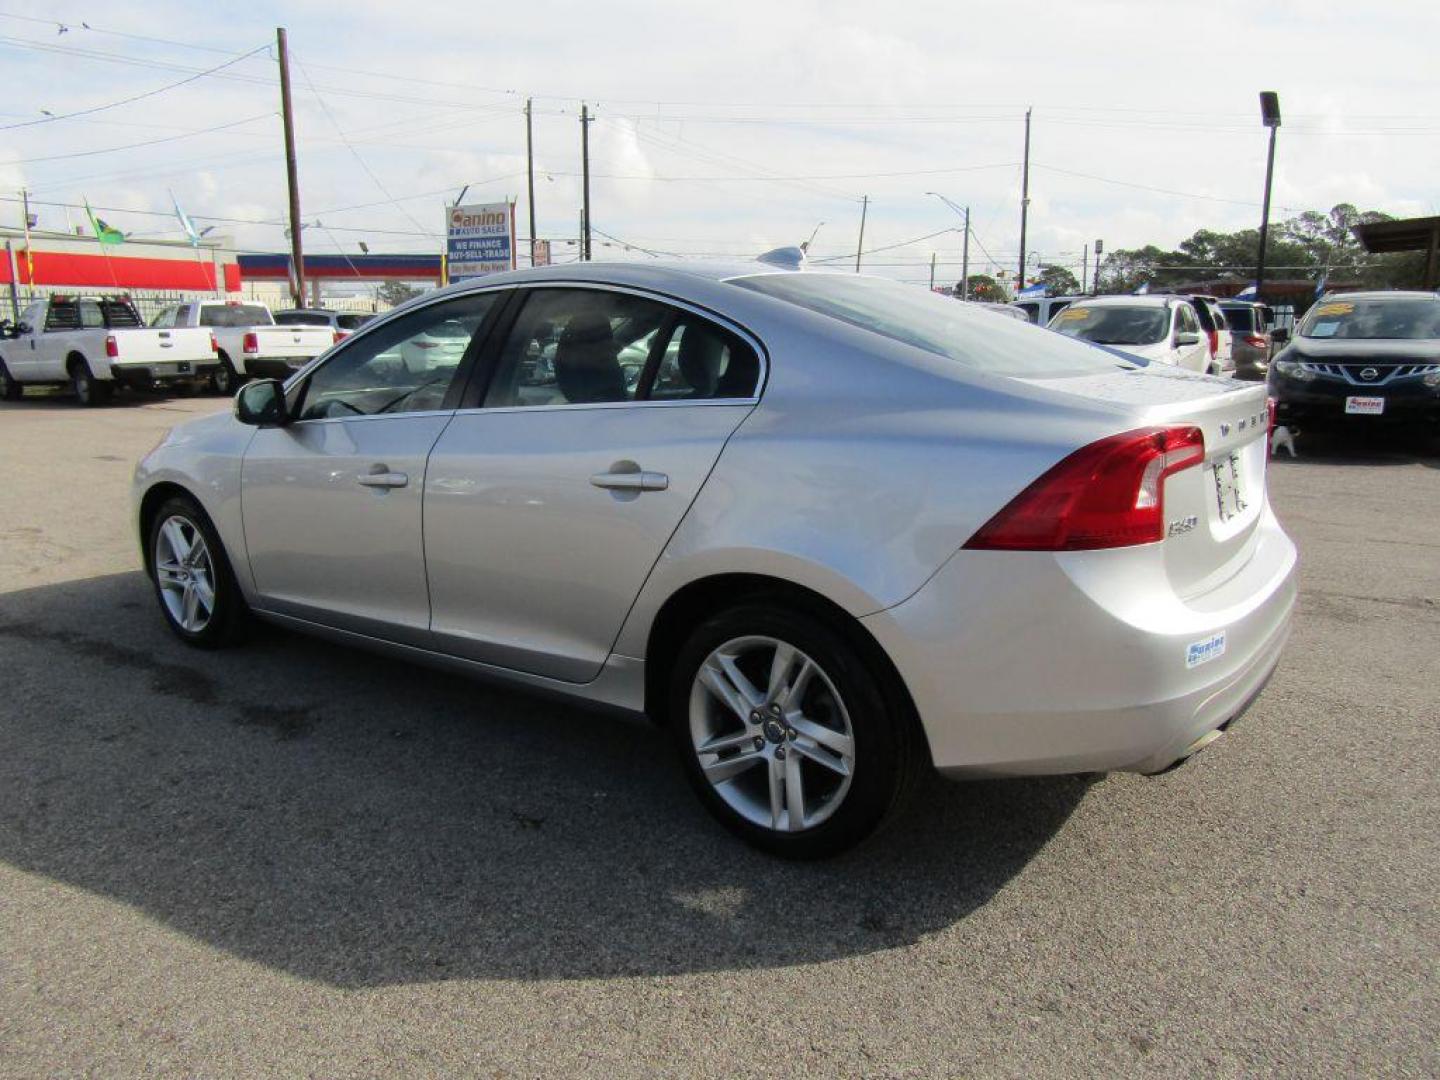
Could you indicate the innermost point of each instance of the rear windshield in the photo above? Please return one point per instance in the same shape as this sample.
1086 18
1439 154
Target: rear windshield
235 315
352 322
1240 318
1114 324
302 318
937 324
1409 319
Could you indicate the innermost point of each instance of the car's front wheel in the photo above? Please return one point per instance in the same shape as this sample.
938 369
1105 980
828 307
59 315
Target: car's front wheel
791 737
10 390
193 581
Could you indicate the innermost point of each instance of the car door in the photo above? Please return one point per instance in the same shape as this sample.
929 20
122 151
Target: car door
331 500
549 499
1195 354
22 356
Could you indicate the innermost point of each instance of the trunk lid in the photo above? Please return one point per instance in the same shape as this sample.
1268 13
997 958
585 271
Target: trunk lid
1211 511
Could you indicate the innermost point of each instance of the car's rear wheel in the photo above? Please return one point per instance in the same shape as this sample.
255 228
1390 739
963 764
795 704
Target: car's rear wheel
223 379
193 581
790 738
88 390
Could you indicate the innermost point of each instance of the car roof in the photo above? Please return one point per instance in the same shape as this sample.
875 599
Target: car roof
1383 294
1131 300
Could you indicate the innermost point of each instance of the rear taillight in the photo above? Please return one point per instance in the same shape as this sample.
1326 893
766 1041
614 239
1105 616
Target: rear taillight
250 343
214 343
337 337
1214 342
1105 495
1256 340
1270 405
112 347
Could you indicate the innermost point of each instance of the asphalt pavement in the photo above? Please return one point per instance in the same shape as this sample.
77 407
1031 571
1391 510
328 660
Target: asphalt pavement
290 858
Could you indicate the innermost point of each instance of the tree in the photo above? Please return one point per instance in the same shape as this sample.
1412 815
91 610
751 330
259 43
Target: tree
1059 281
395 293
985 289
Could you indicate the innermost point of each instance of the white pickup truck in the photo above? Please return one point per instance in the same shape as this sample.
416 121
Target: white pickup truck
251 344
95 343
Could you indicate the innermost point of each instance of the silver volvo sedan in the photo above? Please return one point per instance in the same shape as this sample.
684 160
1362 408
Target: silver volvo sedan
830 530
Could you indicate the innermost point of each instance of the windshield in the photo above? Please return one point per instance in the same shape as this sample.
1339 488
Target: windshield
1409 319
928 321
235 315
1114 324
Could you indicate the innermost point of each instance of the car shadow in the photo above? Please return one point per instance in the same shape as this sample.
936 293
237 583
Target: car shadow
1359 447
363 822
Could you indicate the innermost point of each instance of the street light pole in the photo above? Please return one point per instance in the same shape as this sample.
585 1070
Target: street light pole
1270 117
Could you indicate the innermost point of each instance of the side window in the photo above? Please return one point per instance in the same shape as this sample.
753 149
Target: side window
407 365
31 316
1032 311
182 315
701 361
575 347
62 315
164 320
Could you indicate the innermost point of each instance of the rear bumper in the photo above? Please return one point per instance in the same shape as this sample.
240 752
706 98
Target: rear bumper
144 375
1028 663
275 367
1251 363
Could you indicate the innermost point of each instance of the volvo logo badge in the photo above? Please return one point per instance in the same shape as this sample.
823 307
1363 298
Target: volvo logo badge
1369 373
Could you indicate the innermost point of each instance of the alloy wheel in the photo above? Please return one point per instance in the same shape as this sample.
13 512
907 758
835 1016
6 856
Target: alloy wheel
185 574
772 735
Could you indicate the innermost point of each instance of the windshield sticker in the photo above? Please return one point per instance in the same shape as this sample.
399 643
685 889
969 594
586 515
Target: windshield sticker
1334 309
1074 314
1201 652
1324 329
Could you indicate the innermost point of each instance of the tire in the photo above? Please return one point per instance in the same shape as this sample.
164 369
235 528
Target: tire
178 575
88 390
10 390
847 788
224 382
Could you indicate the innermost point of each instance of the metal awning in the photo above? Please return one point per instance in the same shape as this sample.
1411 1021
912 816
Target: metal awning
1408 234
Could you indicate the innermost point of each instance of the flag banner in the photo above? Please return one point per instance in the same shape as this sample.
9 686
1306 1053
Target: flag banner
191 233
106 234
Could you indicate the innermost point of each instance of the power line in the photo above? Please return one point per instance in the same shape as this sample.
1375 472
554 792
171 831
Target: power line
1159 190
136 97
136 146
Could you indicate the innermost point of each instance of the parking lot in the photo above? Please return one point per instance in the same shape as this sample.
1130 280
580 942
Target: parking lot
295 858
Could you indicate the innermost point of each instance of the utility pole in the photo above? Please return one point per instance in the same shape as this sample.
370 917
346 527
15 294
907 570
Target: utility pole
1099 250
585 170
1084 266
530 175
932 271
859 247
1024 203
965 260
1270 117
297 251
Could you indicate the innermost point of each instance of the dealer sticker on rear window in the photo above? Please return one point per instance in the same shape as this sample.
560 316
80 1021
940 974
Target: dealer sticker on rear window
1200 652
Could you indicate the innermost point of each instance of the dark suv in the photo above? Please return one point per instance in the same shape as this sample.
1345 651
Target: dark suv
1250 336
1361 359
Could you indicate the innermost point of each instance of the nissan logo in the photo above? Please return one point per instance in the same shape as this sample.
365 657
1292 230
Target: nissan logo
1369 373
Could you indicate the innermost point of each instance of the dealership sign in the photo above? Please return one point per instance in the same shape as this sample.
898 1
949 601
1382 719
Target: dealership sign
479 240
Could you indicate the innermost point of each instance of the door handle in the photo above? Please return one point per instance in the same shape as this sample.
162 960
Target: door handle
383 479
631 481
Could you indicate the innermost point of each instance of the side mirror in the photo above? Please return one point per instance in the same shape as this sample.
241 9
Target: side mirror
1187 337
1280 335
261 404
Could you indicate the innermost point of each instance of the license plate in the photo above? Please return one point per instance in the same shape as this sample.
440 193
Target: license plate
1365 406
183 367
1227 487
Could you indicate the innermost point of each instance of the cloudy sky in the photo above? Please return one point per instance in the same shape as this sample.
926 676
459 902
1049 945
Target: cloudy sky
724 128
